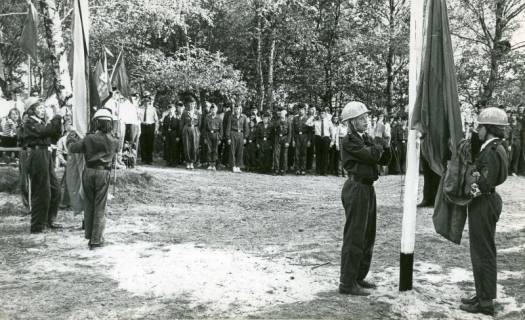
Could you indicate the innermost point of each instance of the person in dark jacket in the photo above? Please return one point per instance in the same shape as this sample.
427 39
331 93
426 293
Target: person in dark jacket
485 208
45 189
282 137
99 151
212 132
302 138
264 145
237 130
360 156
172 132
191 133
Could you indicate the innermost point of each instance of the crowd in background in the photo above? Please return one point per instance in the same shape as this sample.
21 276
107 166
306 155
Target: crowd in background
296 138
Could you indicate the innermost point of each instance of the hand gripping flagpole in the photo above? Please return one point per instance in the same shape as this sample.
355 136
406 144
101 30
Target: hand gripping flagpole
408 232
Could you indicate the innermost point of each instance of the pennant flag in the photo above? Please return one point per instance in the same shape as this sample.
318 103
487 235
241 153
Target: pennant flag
436 112
29 38
119 77
81 66
108 52
101 80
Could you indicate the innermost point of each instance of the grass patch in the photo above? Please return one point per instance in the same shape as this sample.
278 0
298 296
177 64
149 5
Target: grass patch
9 180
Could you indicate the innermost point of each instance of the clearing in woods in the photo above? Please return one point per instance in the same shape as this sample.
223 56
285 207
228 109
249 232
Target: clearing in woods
200 244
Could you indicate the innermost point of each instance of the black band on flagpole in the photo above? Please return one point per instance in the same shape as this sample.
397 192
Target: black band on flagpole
406 269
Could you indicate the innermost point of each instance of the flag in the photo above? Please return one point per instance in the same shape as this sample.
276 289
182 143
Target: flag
2 68
81 66
436 112
29 37
119 76
101 81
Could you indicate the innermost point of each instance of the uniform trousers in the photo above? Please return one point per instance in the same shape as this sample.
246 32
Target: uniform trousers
359 202
236 149
280 154
212 145
190 140
265 156
147 142
45 188
515 155
96 185
483 213
173 148
301 148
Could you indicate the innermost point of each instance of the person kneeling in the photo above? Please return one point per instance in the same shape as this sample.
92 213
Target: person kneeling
99 149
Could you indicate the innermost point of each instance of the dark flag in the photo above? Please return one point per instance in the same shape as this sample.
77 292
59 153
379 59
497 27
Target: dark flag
119 77
29 38
436 112
101 79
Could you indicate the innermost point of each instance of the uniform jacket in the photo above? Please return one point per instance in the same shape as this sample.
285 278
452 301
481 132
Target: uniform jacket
262 134
190 120
172 125
282 129
98 148
213 125
36 133
301 126
234 123
361 155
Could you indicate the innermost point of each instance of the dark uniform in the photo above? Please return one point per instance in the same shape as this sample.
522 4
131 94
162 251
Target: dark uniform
483 213
190 136
282 136
213 135
45 188
515 152
361 157
302 136
237 127
264 146
250 154
99 150
399 149
172 131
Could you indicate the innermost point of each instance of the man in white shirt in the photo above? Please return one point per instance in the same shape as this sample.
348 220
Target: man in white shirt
148 127
322 129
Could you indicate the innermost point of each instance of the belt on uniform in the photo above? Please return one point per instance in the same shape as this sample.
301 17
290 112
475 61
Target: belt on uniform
237 130
107 168
366 181
191 126
213 131
491 191
38 147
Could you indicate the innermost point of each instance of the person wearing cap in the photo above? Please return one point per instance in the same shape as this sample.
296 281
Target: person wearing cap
99 149
190 132
148 127
302 139
237 128
172 133
36 139
360 156
310 151
213 134
484 210
263 134
322 128
282 137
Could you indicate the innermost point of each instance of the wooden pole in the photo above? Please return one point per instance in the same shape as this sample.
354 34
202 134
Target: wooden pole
408 232
29 84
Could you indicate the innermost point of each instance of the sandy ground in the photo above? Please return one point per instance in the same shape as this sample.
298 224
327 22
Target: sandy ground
221 245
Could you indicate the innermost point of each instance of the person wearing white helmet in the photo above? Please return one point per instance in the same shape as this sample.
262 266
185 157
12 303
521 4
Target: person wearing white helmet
360 157
36 140
99 149
491 162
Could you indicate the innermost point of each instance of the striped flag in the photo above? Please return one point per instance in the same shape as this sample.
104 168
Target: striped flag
29 38
81 66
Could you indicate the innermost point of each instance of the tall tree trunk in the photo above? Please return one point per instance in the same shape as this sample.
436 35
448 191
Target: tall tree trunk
271 58
55 42
496 55
260 78
390 57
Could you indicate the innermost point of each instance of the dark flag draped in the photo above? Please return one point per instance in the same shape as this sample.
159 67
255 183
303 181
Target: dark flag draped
436 112
119 77
101 79
29 38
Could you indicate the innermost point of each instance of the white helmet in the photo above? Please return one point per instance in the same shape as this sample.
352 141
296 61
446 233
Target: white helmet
353 109
494 116
103 114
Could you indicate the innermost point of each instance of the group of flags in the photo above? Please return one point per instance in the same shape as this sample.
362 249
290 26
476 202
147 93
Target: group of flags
90 89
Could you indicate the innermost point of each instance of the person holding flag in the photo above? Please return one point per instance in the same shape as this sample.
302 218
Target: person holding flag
99 149
491 162
360 156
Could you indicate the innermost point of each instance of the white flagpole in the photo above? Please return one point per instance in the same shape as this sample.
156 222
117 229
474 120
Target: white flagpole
408 232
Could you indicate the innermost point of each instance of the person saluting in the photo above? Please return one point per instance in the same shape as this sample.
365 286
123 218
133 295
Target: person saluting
360 157
99 149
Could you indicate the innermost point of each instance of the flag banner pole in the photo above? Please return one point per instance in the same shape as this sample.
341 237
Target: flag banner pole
29 82
408 231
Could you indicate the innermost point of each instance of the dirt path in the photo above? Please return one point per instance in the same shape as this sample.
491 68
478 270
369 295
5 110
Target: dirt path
199 244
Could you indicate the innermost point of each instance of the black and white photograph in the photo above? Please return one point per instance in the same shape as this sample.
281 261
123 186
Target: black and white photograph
262 159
